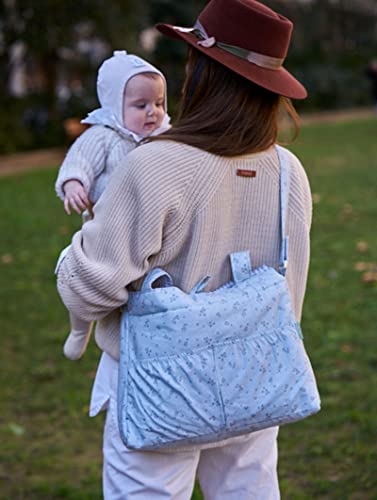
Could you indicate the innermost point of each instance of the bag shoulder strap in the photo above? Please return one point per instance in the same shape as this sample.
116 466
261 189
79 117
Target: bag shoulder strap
284 192
240 261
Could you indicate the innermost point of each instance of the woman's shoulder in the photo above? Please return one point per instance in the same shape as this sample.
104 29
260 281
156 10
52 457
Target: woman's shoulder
179 171
300 200
298 174
168 158
297 169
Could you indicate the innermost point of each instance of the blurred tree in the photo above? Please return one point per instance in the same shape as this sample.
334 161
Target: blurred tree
170 55
66 40
47 28
332 42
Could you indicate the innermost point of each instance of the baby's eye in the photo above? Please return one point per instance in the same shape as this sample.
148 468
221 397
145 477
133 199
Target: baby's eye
159 103
140 106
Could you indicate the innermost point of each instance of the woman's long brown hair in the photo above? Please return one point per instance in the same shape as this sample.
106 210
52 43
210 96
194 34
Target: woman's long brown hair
225 114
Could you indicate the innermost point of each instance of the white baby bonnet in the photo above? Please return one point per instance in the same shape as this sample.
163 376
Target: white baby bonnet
112 78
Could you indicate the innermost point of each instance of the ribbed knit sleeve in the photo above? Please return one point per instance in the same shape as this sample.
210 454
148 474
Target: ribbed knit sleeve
84 161
298 224
136 214
92 159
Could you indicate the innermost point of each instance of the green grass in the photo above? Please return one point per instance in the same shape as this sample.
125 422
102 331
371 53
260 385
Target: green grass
50 449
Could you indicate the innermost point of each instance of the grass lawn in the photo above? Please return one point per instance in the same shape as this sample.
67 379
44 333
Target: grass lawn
50 449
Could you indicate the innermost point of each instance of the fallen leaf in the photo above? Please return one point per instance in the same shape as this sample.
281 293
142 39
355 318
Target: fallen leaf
361 266
362 246
369 277
347 208
365 266
7 258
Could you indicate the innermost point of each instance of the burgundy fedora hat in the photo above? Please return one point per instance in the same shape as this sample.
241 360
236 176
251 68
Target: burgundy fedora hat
246 37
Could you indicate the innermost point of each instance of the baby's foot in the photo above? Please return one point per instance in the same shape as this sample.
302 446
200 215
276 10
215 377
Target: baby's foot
76 343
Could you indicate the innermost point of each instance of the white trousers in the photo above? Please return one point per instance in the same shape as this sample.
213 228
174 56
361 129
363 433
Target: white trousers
244 470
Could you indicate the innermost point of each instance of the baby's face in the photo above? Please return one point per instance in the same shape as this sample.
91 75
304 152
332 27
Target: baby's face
143 103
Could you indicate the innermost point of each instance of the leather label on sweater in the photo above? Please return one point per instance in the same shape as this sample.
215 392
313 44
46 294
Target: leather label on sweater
246 173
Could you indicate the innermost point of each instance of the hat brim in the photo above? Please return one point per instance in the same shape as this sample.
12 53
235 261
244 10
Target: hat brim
279 81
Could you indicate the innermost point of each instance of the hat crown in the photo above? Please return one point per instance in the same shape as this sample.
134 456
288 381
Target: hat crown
248 38
245 23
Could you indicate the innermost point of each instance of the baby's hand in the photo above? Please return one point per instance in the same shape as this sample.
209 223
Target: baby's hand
75 196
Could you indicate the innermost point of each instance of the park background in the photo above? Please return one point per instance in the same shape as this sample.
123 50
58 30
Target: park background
49 55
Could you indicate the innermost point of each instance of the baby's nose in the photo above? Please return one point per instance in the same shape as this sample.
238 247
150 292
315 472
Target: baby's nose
152 109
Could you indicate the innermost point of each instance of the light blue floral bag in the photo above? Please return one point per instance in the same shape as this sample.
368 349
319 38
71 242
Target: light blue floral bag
201 367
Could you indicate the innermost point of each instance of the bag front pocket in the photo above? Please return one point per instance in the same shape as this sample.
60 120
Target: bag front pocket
168 401
266 381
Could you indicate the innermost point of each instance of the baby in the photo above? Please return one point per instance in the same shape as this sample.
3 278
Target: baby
132 94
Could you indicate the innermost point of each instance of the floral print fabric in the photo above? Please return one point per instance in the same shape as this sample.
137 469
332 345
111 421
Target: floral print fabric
204 366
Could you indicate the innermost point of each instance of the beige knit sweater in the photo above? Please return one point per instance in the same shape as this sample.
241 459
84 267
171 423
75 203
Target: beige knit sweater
185 210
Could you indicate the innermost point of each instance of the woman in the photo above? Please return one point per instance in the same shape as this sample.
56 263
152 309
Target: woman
206 188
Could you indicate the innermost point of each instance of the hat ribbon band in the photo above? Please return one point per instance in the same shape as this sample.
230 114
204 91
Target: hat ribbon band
267 62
